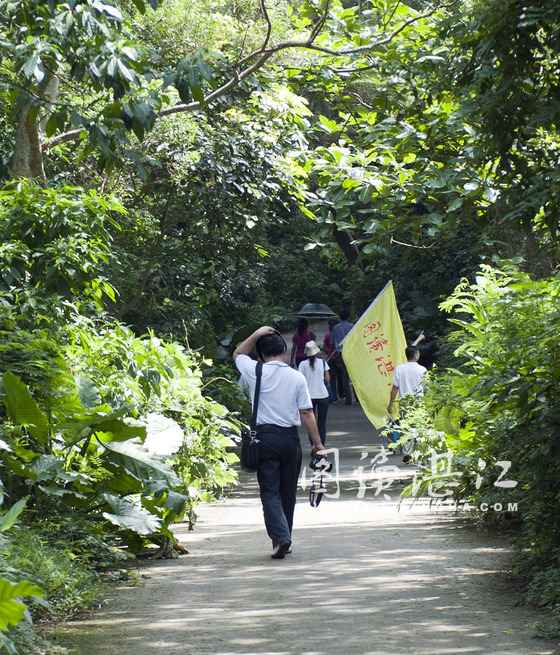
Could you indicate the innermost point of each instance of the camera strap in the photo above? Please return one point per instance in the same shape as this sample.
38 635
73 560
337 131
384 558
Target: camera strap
317 490
314 495
253 426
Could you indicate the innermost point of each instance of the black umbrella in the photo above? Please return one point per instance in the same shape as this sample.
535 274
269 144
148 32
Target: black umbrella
315 310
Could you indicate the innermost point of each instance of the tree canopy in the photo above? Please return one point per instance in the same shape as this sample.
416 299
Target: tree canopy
173 170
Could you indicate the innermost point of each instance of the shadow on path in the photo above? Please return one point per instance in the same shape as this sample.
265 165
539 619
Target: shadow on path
364 577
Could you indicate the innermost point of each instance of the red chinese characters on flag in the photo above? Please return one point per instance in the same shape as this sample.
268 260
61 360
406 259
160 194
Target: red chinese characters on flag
376 343
385 366
372 350
371 328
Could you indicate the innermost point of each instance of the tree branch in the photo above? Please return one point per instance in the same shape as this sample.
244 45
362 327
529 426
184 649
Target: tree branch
410 245
259 57
268 22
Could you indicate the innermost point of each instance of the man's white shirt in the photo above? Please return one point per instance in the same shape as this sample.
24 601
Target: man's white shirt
408 377
283 391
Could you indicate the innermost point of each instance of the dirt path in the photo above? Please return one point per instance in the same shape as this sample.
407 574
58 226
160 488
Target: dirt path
364 579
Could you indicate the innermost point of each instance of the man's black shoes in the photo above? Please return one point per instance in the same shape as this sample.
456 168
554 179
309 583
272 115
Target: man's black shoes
279 551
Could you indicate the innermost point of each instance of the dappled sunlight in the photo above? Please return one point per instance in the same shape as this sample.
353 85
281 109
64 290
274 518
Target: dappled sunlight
366 577
228 586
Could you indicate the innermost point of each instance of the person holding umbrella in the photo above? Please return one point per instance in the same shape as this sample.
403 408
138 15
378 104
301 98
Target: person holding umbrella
300 338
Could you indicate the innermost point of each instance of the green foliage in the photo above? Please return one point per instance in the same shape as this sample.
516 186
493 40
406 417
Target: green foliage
503 399
65 558
544 591
506 55
218 224
12 611
392 154
69 583
416 422
499 408
93 48
188 26
404 178
509 339
405 160
97 448
33 356
394 187
163 378
14 588
220 383
54 245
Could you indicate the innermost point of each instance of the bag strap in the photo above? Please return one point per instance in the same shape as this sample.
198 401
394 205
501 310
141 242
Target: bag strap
258 371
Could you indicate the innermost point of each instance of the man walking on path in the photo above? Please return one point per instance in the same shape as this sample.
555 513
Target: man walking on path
407 381
339 331
284 404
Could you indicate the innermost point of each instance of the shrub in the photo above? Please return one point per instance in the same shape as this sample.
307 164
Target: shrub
500 408
70 583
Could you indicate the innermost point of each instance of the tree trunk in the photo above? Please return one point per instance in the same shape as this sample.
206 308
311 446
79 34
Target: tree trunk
344 241
27 161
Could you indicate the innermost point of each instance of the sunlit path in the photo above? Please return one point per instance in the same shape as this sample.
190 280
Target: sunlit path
364 578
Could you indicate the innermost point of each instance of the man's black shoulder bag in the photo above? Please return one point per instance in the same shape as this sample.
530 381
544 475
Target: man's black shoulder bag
249 441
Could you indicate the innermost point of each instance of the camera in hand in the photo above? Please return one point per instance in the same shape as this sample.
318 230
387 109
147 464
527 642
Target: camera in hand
320 463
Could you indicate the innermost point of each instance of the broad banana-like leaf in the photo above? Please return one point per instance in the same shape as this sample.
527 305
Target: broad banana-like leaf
135 459
124 483
67 383
62 492
130 516
107 423
10 517
122 431
22 408
88 392
50 467
172 500
45 467
176 502
156 488
11 610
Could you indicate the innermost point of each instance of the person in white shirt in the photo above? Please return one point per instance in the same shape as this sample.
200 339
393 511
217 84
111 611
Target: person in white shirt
284 404
408 381
316 373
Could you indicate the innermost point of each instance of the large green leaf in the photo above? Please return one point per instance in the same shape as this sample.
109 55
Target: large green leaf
176 502
170 500
122 431
130 516
136 460
45 467
107 423
10 517
22 408
125 483
88 392
61 492
11 610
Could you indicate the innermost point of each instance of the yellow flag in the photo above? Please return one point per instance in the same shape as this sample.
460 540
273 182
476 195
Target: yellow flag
372 350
